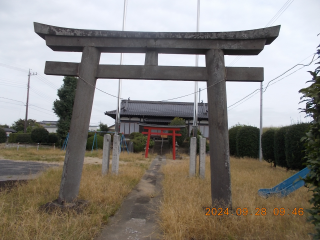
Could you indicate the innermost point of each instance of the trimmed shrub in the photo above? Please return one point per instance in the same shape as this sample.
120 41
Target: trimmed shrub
267 142
39 135
139 143
248 142
280 147
135 134
90 134
13 138
53 138
3 136
183 131
20 137
295 155
233 131
90 141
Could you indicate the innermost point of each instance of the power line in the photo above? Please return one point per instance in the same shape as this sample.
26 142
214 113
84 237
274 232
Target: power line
273 19
12 67
289 70
41 108
278 14
12 100
250 95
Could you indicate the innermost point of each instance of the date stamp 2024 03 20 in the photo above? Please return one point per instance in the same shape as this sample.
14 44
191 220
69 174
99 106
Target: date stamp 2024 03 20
257 212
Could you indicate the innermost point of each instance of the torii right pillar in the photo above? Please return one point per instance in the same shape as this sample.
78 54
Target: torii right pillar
218 129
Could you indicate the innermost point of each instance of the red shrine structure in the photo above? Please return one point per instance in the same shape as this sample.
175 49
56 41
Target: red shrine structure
162 130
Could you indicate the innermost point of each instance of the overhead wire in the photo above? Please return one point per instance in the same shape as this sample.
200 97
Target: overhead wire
272 20
247 97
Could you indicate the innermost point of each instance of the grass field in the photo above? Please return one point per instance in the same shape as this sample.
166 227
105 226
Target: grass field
182 215
47 154
19 208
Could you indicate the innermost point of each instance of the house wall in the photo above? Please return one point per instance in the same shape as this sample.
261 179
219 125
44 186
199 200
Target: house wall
127 127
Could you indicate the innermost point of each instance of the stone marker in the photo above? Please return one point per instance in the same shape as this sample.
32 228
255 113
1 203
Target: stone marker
115 154
193 157
202 157
106 153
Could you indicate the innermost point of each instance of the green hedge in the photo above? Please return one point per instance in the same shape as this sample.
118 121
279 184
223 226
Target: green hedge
139 143
53 138
20 137
267 142
39 135
183 131
135 134
90 141
294 147
3 136
233 131
280 147
248 142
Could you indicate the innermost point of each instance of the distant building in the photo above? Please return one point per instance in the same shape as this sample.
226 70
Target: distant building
51 126
9 130
135 112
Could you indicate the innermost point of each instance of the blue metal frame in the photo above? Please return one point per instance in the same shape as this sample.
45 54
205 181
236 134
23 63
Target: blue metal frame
65 143
287 186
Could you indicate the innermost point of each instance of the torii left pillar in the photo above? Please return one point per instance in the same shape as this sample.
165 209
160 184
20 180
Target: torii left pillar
79 126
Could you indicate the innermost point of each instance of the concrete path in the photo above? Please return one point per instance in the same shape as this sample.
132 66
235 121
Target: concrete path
12 170
136 219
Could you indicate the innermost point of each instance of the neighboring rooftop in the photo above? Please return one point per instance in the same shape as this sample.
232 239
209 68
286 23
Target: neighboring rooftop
137 108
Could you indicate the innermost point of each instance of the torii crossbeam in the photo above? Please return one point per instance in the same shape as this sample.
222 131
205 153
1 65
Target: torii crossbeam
214 45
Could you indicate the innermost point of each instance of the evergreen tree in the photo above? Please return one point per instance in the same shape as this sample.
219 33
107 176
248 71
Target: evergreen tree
64 105
311 96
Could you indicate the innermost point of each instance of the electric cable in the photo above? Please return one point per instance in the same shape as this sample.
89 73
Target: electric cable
273 19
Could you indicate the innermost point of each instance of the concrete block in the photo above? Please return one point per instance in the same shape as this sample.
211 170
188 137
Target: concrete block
115 154
193 156
202 157
106 153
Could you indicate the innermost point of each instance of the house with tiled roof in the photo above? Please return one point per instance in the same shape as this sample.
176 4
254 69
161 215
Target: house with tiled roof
135 113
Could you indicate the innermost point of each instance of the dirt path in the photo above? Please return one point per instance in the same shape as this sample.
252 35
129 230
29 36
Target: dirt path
136 219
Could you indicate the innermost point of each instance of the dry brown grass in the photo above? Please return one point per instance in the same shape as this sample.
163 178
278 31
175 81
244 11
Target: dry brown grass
32 154
19 208
182 215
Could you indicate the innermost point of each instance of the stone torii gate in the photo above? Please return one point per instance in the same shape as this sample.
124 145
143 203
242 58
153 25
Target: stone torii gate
214 45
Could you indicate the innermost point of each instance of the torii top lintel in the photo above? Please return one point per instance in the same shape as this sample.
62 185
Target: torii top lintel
250 42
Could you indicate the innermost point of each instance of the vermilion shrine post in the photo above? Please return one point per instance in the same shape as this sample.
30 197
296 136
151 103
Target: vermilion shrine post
214 45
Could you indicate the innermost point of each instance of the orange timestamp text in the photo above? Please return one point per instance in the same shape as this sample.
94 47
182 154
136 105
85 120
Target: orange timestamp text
257 212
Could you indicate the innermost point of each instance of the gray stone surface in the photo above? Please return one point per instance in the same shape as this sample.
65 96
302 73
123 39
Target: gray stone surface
73 163
269 33
218 129
136 219
243 74
151 58
11 170
202 157
106 153
193 156
115 154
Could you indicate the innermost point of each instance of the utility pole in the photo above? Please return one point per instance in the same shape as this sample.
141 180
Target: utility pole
195 107
117 123
27 104
260 135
